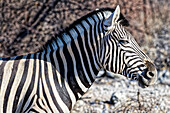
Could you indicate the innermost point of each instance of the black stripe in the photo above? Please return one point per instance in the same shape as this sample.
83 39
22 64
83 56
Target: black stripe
134 63
116 63
84 56
95 38
70 74
131 56
38 104
33 110
134 58
88 49
112 40
89 54
78 60
51 56
5 59
99 35
2 71
21 84
137 51
130 70
49 86
65 98
137 48
10 83
107 62
62 72
44 93
92 42
31 101
120 61
108 54
104 47
102 25
31 86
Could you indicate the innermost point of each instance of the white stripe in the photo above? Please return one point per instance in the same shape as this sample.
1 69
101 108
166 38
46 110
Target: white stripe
71 95
42 104
110 53
59 42
94 43
98 26
102 52
84 89
134 60
34 101
35 86
137 49
42 97
87 29
118 59
133 57
45 105
6 76
35 106
114 55
79 95
18 76
121 63
105 53
77 46
1 61
89 44
27 82
51 79
52 105
54 45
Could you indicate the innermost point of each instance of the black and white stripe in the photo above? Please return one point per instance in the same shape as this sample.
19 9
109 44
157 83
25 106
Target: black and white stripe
53 79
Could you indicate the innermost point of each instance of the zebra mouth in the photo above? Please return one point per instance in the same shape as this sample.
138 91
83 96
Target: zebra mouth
147 78
142 82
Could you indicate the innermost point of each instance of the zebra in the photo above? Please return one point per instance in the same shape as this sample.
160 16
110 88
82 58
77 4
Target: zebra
54 78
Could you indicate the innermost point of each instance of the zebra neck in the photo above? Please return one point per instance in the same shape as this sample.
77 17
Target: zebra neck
75 56
74 66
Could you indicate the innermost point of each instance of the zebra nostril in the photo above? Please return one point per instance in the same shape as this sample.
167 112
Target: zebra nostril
151 74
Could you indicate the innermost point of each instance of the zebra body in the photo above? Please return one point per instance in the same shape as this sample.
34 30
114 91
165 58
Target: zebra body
53 79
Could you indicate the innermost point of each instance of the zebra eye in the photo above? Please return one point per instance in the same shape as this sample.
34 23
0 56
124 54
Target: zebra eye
123 41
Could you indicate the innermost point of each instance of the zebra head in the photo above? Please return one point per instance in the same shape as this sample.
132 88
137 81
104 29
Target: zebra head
124 56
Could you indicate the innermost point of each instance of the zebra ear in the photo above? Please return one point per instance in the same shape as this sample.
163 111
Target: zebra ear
108 23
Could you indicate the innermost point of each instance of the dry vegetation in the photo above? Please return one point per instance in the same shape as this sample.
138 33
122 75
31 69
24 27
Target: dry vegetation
141 104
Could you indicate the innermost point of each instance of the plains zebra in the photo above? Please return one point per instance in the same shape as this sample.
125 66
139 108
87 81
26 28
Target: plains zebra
53 79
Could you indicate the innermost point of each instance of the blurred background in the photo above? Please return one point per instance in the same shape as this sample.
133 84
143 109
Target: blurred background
26 25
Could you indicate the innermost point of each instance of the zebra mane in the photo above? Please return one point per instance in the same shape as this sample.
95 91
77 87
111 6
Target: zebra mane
122 19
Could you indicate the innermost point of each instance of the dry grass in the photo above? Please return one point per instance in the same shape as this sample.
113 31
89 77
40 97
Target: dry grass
141 104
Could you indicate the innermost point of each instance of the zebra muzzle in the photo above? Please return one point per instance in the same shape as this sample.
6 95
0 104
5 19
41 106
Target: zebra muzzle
149 76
